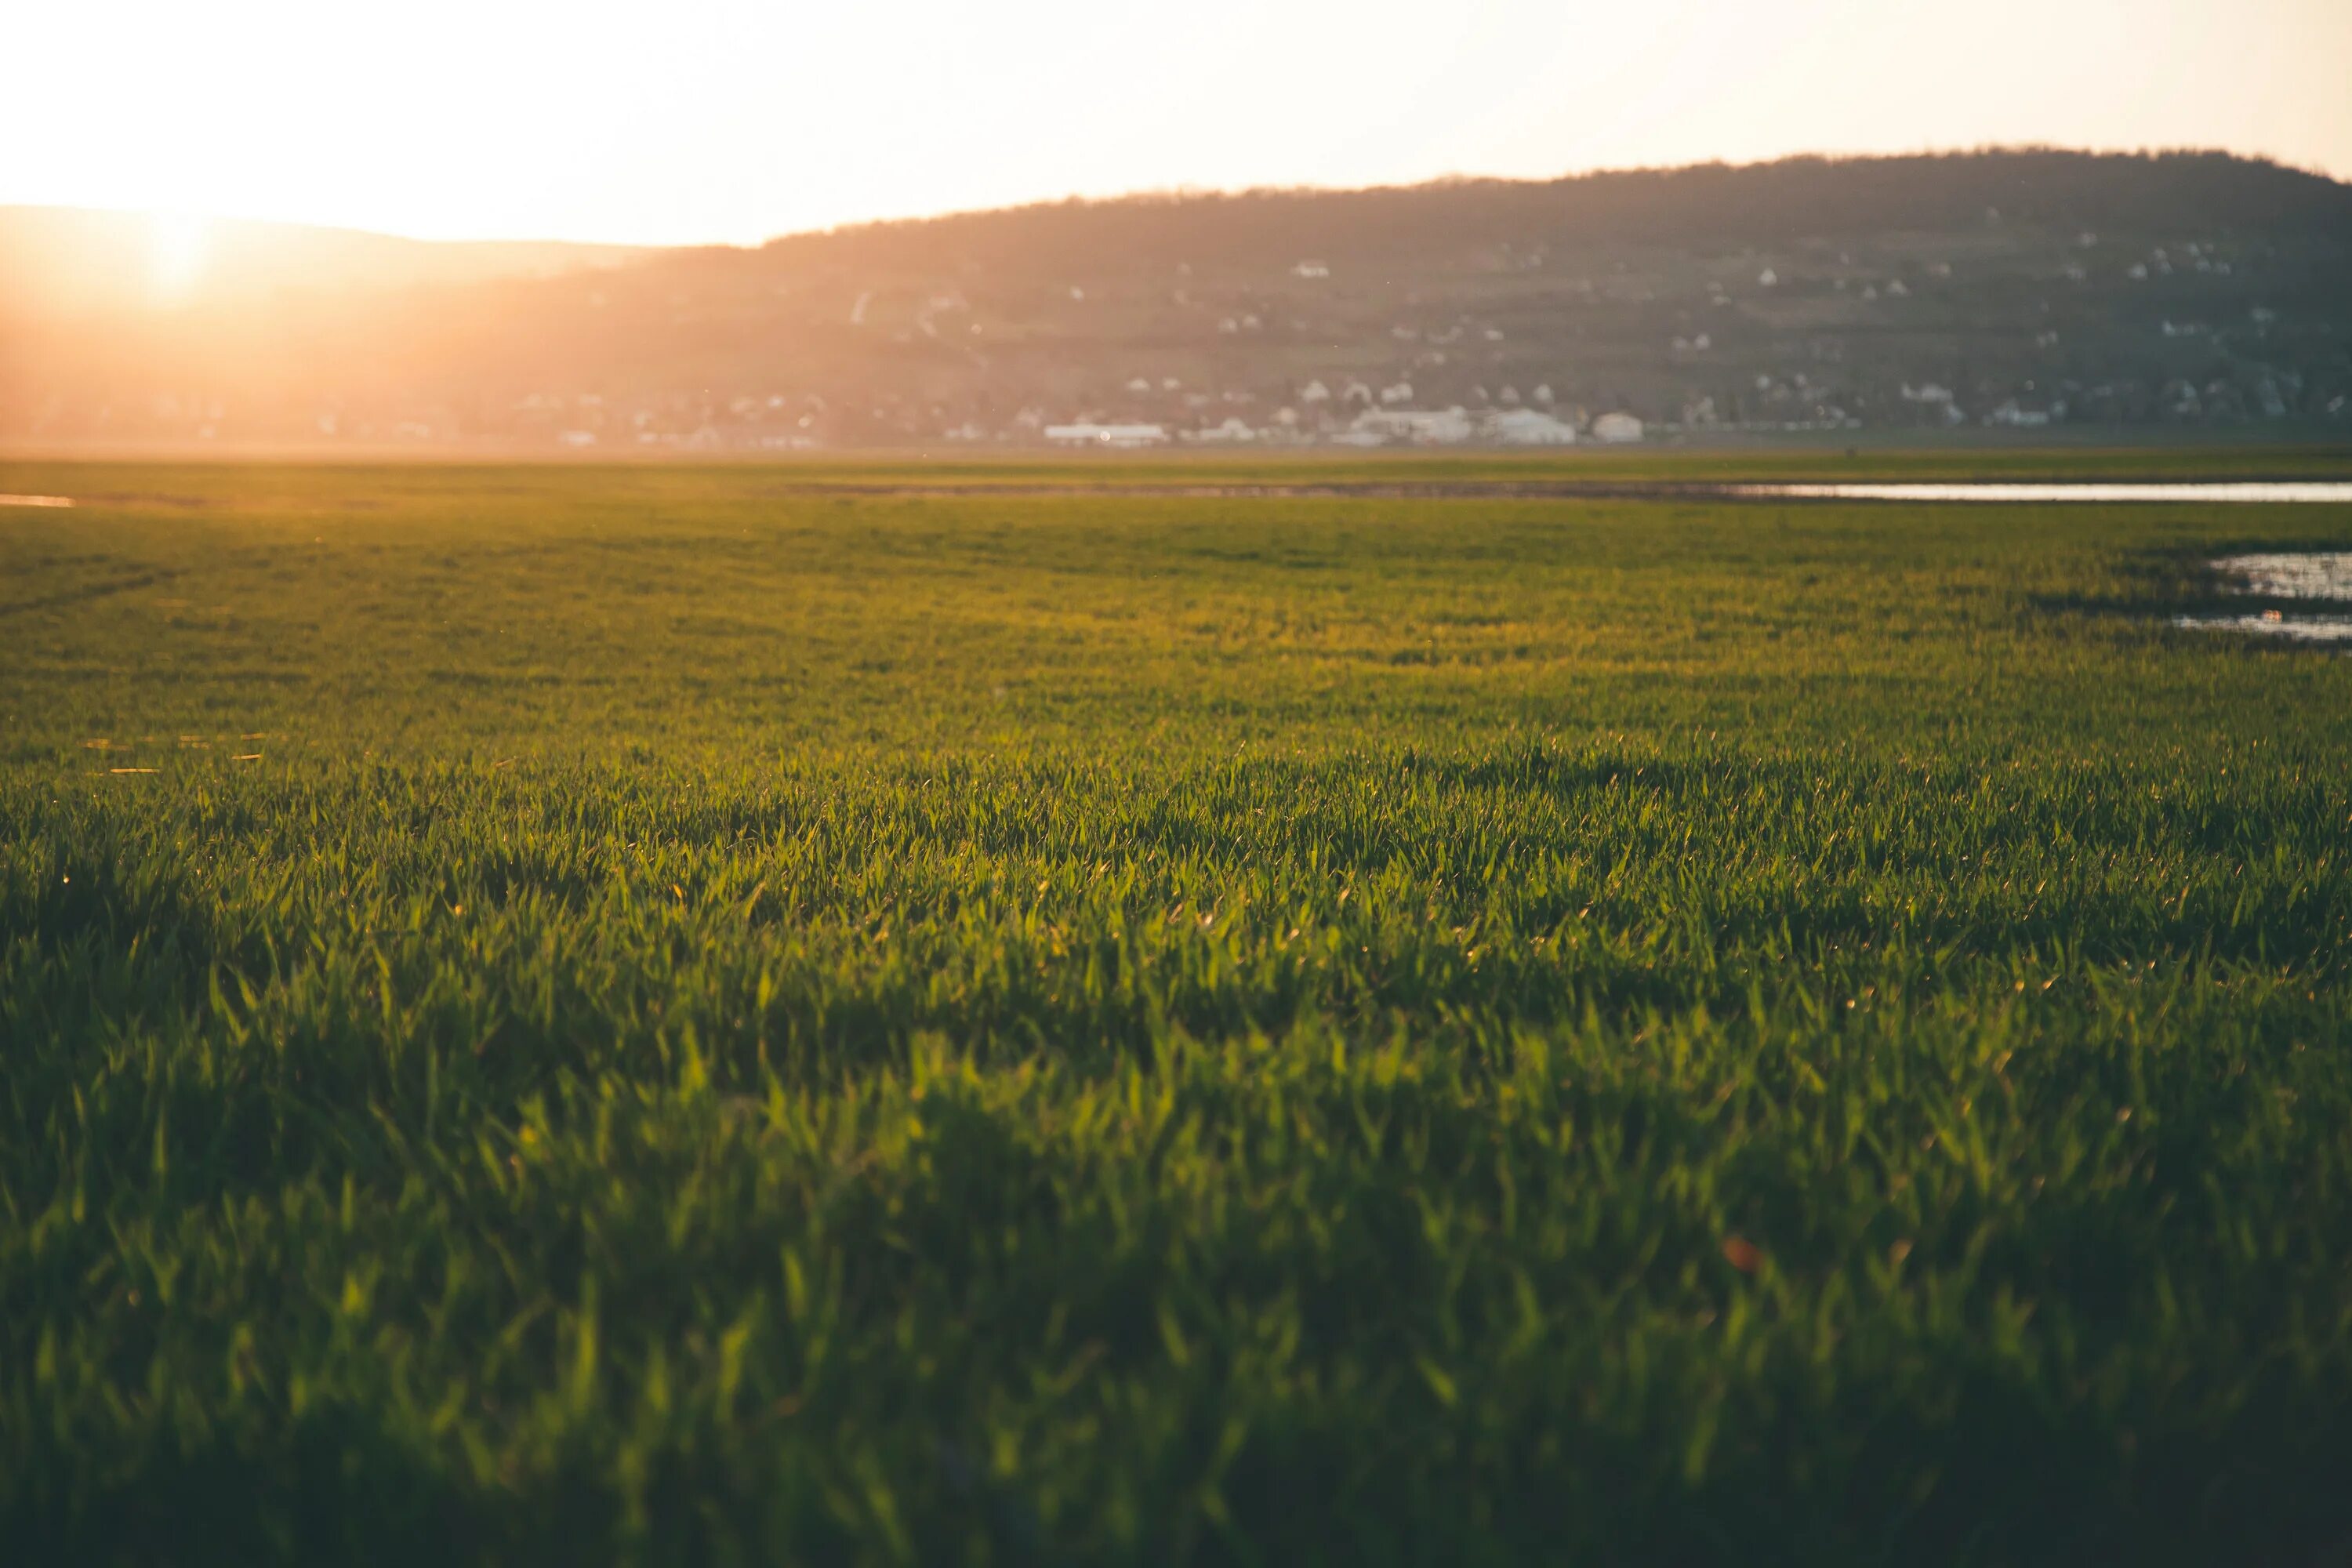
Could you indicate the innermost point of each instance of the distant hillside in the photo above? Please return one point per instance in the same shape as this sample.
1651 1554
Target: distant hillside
2018 289
1793 200
70 262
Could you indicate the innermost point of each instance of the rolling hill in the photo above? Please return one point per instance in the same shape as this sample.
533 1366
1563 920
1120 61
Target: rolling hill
2015 288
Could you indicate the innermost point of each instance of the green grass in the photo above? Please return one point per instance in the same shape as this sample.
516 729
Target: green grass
730 1023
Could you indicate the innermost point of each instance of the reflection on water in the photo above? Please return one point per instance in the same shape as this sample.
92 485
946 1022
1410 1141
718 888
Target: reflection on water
2272 624
2298 490
2322 574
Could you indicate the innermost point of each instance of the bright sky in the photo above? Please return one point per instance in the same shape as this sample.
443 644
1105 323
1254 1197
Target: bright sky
737 119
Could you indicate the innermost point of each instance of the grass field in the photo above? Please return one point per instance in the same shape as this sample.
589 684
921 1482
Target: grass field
665 1015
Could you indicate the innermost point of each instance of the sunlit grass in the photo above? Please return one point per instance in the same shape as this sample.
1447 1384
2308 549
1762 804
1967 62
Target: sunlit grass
655 1015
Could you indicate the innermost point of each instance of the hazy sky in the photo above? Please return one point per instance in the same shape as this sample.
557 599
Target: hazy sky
726 120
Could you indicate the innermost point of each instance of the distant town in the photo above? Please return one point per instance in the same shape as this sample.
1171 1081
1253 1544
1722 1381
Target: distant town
1809 299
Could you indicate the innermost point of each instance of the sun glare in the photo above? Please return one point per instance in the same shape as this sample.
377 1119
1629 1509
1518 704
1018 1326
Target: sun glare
698 129
177 246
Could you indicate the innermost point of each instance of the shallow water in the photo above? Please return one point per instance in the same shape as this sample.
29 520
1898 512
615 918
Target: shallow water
2304 491
2293 628
2319 575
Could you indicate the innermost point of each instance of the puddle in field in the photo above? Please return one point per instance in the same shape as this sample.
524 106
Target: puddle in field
2275 623
36 501
2234 491
2315 577
1566 489
2322 574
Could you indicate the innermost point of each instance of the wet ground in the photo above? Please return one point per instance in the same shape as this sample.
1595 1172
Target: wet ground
2310 579
2235 492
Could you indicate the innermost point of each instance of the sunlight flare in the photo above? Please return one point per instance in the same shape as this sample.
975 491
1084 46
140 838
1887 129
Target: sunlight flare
178 246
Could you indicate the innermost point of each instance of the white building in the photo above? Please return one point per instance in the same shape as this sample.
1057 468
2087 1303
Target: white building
1232 430
1529 427
1616 428
1420 427
1117 436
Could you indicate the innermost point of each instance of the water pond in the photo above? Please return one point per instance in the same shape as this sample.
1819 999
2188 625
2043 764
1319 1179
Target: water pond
2312 578
2238 493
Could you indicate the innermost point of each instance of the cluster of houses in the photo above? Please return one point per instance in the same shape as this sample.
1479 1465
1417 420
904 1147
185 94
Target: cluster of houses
1463 396
1377 427
1358 413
